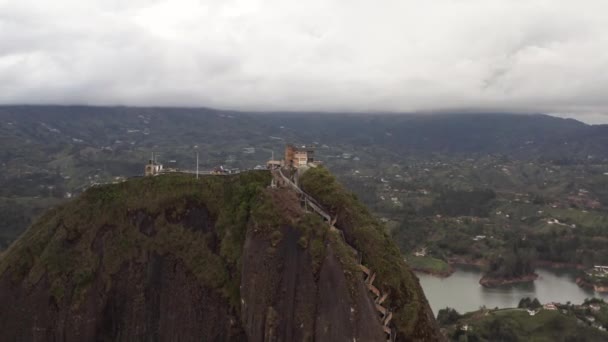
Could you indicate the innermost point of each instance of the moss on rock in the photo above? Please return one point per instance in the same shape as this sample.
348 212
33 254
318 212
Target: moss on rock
109 225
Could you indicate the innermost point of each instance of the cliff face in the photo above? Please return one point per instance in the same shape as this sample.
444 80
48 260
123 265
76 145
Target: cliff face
298 286
149 259
173 258
156 298
413 318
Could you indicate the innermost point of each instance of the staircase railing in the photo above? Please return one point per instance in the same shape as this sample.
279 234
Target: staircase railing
385 314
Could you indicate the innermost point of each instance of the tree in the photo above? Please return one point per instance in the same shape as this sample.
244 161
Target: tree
515 262
501 331
535 304
448 316
527 303
524 303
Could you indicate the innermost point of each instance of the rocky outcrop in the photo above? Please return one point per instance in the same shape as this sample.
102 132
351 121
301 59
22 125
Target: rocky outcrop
172 258
308 201
405 305
136 261
284 299
156 298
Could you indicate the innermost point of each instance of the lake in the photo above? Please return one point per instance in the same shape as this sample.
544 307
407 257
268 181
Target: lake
462 291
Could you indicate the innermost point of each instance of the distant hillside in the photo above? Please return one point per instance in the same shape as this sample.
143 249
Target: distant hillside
570 322
218 259
467 135
517 135
49 153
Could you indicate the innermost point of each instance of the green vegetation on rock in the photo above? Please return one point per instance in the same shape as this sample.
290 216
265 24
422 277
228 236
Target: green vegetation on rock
314 235
168 215
368 236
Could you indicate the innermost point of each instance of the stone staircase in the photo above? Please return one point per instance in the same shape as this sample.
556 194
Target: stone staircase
384 314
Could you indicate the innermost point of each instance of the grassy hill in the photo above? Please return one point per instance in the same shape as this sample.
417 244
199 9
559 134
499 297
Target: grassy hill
568 323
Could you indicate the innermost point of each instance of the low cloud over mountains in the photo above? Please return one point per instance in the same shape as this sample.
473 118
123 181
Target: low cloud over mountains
320 55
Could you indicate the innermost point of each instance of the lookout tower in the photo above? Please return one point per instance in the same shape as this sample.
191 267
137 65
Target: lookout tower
299 156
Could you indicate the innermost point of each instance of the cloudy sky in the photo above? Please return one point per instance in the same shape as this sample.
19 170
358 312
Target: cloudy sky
329 55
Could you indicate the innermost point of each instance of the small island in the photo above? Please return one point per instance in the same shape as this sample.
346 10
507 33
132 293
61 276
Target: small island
516 266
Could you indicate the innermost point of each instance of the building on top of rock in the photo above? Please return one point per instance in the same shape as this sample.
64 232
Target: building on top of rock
153 168
299 156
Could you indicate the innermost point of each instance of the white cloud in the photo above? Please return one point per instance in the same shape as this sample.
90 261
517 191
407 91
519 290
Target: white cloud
390 55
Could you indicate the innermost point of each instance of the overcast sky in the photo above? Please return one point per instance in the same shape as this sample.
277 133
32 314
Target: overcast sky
331 55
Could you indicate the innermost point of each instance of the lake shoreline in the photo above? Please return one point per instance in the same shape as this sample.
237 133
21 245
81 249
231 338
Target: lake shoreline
467 262
429 265
490 282
580 281
480 263
463 292
559 265
438 274
487 281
